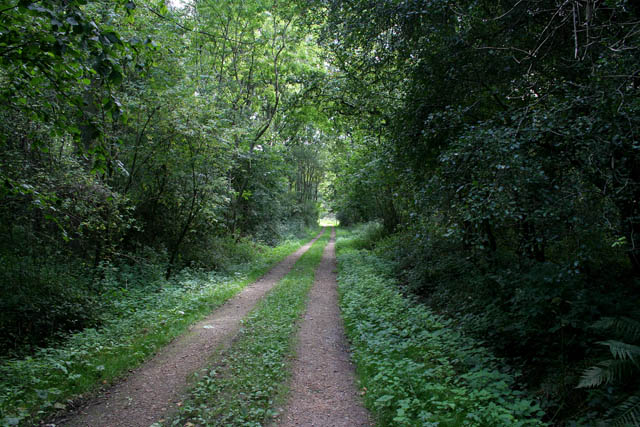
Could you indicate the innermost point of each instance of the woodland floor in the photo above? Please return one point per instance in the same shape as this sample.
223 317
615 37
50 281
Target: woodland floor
323 391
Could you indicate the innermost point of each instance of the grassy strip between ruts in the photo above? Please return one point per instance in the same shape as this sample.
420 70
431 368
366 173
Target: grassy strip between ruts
37 386
248 380
414 367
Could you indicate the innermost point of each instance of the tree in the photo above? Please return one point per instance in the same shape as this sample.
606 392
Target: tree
507 133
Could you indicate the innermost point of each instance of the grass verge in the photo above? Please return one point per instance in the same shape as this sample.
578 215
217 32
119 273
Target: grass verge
248 380
415 368
34 387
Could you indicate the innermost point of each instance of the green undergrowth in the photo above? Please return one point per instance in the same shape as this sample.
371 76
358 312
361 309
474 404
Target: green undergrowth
137 323
247 381
415 368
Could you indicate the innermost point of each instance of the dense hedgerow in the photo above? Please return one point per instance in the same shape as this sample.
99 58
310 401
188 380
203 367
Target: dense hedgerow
414 367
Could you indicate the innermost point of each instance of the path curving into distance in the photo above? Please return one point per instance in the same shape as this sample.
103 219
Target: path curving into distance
323 390
153 390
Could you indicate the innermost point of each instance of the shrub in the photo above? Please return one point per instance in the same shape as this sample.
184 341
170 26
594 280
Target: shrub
41 298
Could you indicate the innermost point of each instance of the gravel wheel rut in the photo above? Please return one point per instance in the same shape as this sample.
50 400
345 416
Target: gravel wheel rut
323 391
155 389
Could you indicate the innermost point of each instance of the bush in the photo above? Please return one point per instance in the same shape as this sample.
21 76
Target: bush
534 313
220 253
274 232
41 298
365 236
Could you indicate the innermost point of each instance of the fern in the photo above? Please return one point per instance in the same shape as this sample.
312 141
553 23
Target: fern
621 350
621 367
605 372
627 413
621 326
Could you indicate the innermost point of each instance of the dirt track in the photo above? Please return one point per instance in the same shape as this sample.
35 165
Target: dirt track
152 391
323 390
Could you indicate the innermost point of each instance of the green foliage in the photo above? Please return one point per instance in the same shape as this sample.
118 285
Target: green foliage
46 288
537 315
415 368
499 139
626 413
39 300
365 236
138 311
59 66
619 370
132 130
363 187
246 383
